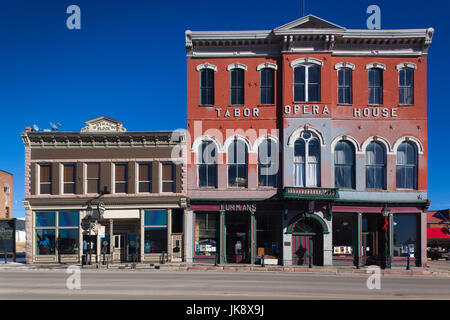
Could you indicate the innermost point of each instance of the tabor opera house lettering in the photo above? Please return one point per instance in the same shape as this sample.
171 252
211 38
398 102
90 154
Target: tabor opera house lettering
369 112
237 112
238 207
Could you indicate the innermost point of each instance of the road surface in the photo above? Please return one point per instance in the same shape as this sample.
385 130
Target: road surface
212 285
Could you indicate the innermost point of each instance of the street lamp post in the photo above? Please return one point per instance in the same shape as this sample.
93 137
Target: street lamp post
386 258
92 218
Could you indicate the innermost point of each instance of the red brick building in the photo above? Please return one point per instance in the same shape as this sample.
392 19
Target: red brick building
301 137
6 195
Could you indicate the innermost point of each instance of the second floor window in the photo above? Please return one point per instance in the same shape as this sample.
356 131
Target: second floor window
375 86
207 87
45 179
237 86
375 166
145 177
121 178
168 177
237 164
344 165
69 178
345 86
307 161
267 86
207 165
406 86
267 164
407 166
93 177
307 83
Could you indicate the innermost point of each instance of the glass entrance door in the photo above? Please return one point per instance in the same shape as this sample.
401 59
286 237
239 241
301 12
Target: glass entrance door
237 248
238 238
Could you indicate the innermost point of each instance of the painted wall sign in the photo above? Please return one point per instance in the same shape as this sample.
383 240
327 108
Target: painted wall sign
370 112
237 112
306 109
374 112
238 207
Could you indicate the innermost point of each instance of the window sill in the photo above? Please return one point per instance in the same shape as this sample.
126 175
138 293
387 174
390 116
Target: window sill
304 102
265 105
206 105
405 105
375 105
236 105
345 105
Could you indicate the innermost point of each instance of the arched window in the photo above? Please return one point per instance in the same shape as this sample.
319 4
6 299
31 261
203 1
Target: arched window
267 163
266 90
307 161
307 83
375 166
237 164
407 166
344 165
207 164
207 86
375 86
406 86
237 86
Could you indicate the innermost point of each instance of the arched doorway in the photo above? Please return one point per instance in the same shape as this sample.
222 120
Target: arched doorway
307 241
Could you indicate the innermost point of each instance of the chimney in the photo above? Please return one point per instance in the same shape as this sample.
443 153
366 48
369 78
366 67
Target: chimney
28 129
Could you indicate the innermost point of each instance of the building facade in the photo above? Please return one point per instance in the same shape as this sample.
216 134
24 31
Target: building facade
307 144
104 194
6 195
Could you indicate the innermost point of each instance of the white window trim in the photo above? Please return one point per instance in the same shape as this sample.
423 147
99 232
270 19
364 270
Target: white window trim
236 65
404 65
61 171
344 64
379 139
306 60
206 65
410 139
376 65
266 65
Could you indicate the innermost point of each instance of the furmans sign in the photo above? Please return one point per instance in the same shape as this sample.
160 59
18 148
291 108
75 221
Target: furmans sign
7 232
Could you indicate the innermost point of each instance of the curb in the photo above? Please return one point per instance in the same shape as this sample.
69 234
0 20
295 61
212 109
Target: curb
287 269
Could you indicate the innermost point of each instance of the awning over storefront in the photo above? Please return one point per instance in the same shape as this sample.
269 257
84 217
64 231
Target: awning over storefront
438 233
121 214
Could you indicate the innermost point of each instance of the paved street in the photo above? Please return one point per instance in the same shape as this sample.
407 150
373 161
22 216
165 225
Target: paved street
168 285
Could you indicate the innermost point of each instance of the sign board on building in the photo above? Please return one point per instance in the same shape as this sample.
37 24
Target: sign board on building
7 235
101 231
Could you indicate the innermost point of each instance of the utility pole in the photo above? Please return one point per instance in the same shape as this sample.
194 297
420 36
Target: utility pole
303 8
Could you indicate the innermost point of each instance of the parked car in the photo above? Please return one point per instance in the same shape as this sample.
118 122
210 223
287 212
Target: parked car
438 253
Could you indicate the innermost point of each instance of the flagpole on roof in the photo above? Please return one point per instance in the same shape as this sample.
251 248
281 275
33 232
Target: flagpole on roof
303 9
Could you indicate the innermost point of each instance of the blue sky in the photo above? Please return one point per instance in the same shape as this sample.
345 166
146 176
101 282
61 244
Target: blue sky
128 62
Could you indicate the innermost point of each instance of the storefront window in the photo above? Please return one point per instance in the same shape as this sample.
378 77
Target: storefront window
45 219
206 233
155 231
68 219
155 218
68 241
268 230
57 232
344 228
405 235
155 240
45 241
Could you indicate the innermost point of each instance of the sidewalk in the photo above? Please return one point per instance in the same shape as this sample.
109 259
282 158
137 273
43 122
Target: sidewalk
431 270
